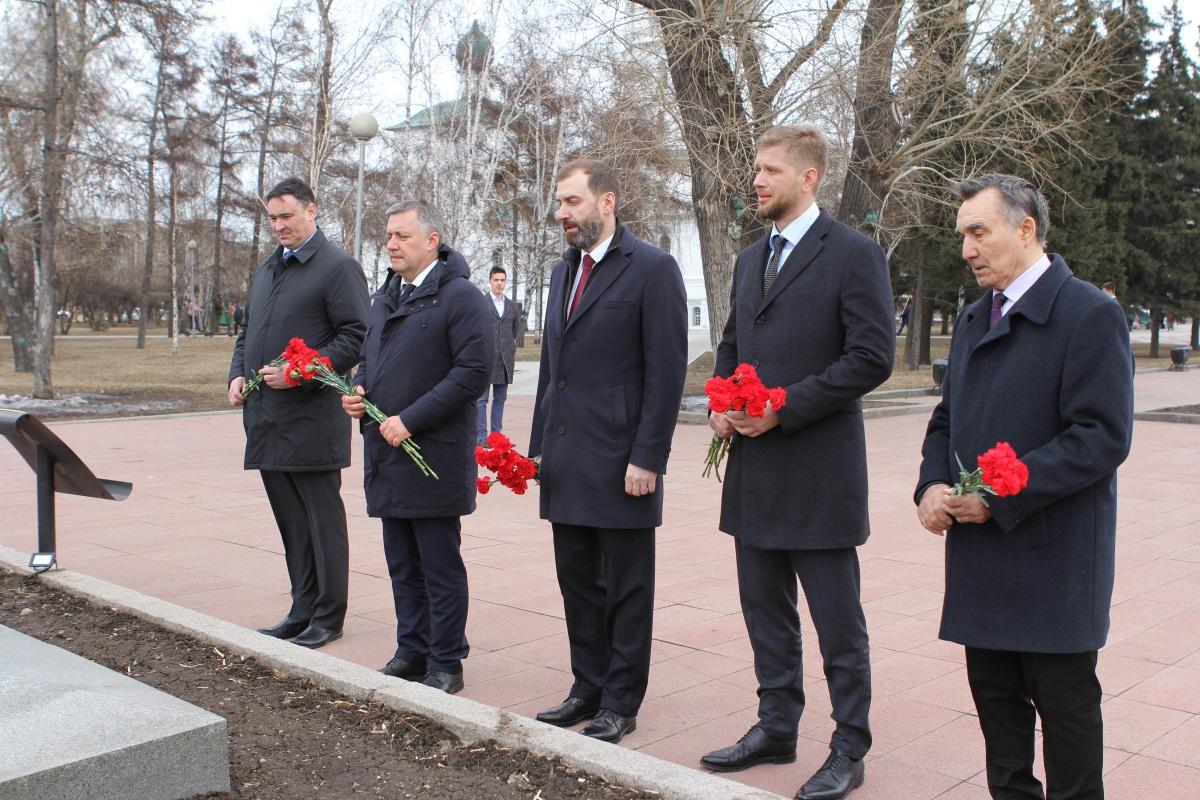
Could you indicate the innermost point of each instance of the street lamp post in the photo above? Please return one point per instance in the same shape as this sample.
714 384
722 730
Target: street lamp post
363 127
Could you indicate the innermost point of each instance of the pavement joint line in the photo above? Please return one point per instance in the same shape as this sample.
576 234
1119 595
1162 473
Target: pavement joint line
468 719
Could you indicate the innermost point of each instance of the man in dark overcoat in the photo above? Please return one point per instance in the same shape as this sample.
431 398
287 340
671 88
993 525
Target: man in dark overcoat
811 309
614 357
426 359
1041 361
297 437
504 333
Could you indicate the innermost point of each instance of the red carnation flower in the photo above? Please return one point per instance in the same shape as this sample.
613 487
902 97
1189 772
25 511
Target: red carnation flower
1000 472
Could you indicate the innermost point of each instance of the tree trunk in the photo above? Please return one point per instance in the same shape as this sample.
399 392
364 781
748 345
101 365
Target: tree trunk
44 286
221 155
20 322
323 114
918 325
875 128
926 335
172 252
1195 331
721 166
1156 318
151 199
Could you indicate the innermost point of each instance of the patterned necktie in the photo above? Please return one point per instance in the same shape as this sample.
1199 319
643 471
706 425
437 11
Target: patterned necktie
773 263
406 290
997 309
588 263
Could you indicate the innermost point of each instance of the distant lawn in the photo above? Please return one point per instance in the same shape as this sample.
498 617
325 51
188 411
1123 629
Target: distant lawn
84 363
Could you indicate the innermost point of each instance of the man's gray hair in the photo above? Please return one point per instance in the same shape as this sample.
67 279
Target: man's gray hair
1021 199
429 217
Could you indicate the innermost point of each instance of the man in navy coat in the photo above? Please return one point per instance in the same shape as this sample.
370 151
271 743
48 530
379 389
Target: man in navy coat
811 309
614 357
1041 361
426 358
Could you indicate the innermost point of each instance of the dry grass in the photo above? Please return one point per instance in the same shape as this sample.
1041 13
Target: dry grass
91 363
87 363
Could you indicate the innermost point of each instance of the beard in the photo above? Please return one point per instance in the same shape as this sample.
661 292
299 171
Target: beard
587 232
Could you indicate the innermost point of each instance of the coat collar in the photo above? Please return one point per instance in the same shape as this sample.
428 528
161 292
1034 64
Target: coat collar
1035 305
306 251
803 254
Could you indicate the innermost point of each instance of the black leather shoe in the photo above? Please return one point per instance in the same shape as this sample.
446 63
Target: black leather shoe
286 629
571 711
609 726
756 747
448 682
406 670
836 778
315 636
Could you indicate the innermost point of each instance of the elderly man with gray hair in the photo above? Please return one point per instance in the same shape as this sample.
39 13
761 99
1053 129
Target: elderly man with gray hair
427 357
1040 361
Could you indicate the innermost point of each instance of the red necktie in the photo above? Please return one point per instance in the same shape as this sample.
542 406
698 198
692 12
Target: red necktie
588 263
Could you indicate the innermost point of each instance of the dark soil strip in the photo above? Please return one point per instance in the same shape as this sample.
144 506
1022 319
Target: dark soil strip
289 739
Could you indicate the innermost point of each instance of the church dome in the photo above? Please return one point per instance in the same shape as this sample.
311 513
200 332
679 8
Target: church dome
473 50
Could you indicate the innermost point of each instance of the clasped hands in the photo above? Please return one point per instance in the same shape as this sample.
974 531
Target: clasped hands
725 425
392 430
939 509
274 377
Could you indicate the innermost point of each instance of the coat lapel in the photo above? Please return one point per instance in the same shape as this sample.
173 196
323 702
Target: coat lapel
802 255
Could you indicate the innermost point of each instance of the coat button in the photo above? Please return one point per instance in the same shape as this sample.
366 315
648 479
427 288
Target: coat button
562 384
760 319
562 429
435 301
754 363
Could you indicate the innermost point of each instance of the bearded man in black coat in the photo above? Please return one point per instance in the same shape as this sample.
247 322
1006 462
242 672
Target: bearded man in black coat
426 359
614 355
296 436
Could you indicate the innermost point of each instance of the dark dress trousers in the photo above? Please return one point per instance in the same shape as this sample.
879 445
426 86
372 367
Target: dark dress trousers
608 396
1028 592
299 439
426 358
795 498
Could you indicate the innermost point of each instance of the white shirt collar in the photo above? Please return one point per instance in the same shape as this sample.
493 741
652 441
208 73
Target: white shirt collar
417 281
599 250
796 229
1023 282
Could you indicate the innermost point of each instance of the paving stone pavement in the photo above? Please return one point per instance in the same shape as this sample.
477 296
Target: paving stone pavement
198 532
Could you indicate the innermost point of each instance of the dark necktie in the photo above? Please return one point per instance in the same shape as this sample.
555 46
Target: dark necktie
588 263
773 262
997 309
406 291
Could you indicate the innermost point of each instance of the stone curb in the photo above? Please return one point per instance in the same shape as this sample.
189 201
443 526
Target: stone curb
1167 416
470 720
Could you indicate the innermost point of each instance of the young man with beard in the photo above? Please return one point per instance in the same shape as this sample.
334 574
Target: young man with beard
296 436
614 357
426 359
811 310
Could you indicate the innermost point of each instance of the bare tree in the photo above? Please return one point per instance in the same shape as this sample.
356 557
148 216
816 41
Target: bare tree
717 57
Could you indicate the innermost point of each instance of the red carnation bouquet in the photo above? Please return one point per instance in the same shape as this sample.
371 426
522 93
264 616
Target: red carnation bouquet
306 364
743 390
1000 472
513 470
